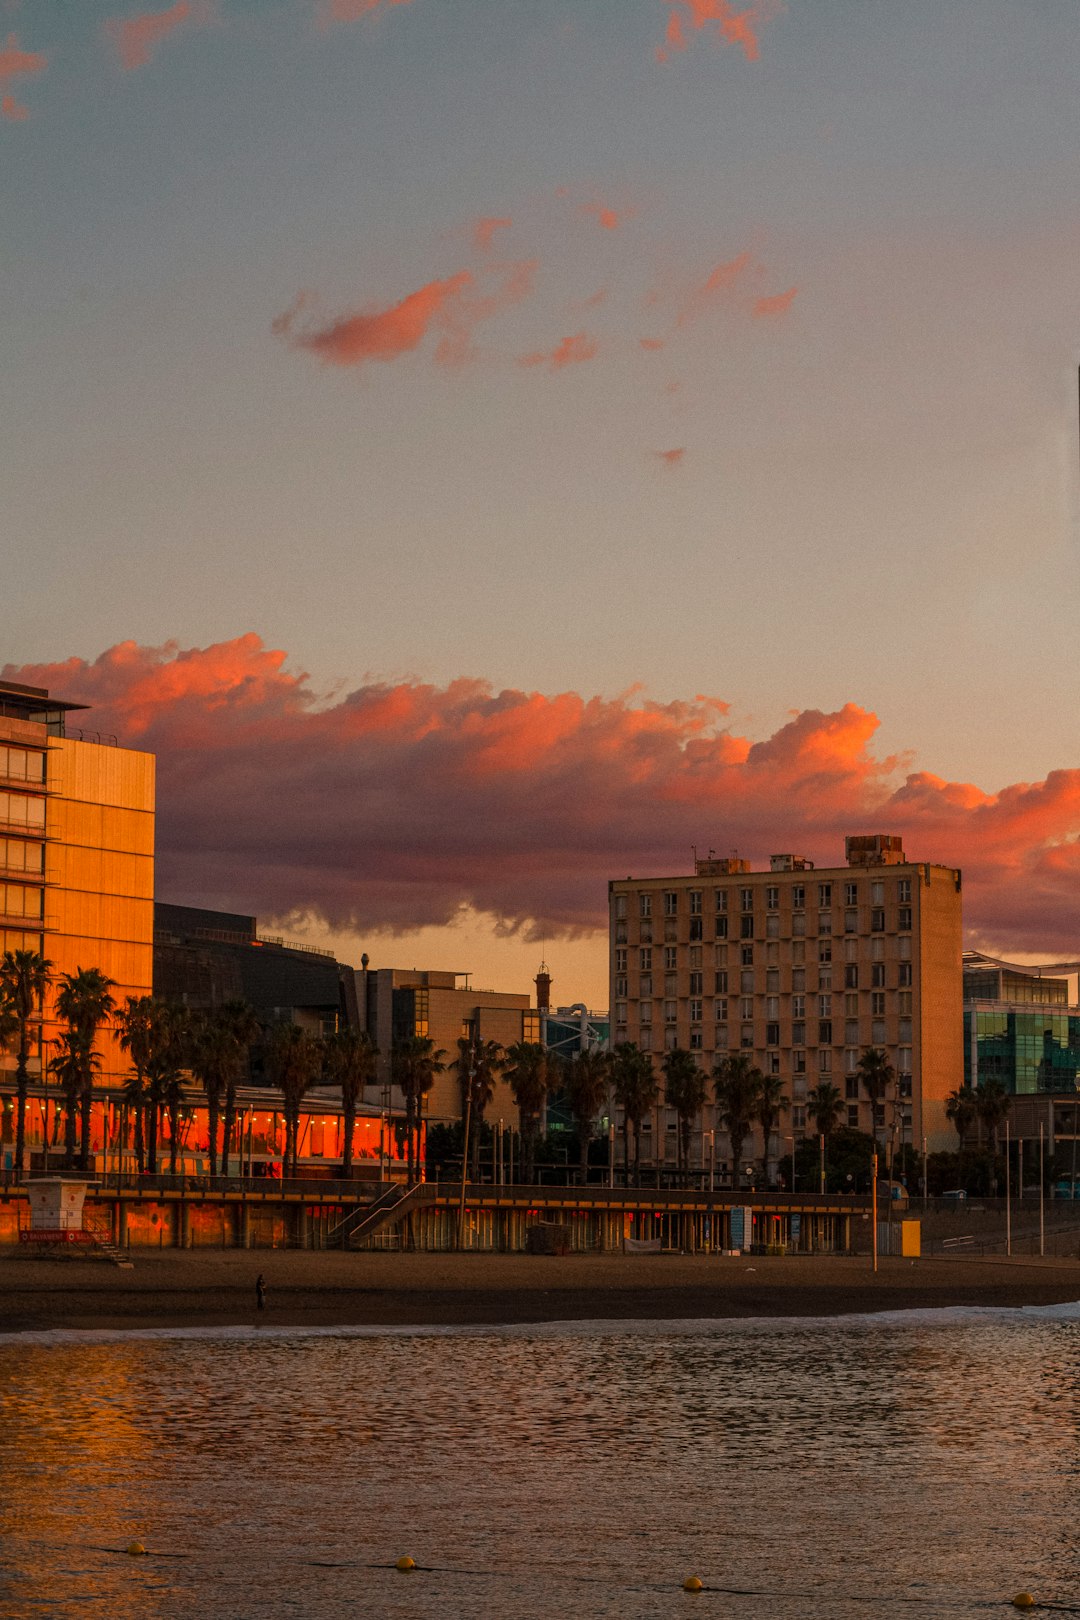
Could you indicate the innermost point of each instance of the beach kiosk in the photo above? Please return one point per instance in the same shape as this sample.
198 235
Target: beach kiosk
56 1212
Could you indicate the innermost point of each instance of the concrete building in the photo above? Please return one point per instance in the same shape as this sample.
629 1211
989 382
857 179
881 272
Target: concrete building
801 969
399 1003
76 856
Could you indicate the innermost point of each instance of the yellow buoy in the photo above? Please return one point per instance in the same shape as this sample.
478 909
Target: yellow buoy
1023 1600
135 1548
405 1563
692 1584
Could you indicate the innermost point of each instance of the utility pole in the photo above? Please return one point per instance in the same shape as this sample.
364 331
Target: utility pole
1008 1196
873 1206
1042 1197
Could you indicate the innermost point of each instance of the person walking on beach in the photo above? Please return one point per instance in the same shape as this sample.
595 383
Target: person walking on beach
260 1291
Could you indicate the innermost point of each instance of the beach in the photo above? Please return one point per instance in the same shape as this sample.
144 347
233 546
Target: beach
210 1288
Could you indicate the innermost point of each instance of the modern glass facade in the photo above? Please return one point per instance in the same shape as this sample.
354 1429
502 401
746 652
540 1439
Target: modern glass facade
1027 1048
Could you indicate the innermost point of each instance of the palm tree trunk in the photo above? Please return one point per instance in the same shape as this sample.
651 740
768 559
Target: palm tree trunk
140 1150
152 1136
22 1086
348 1126
71 1102
174 1136
212 1130
586 1138
86 1095
626 1150
228 1125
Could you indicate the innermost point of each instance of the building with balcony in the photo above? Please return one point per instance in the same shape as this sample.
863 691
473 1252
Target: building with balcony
1021 1026
801 968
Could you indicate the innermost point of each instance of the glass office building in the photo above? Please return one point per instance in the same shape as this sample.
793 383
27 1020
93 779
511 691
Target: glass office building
1019 1029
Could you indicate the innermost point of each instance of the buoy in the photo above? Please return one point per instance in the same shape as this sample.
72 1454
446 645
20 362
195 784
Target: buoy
405 1563
692 1584
1023 1600
136 1549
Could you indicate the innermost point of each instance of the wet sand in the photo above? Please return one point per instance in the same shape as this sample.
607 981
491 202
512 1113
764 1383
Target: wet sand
209 1288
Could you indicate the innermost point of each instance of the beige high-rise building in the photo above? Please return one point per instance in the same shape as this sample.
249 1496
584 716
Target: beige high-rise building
76 858
800 968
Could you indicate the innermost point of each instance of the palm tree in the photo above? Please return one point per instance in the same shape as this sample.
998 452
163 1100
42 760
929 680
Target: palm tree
24 978
771 1103
135 1023
962 1110
71 1066
479 1064
685 1090
157 1042
636 1090
350 1063
243 1027
876 1074
294 1059
825 1106
736 1085
84 1002
587 1082
414 1063
210 1055
994 1105
529 1074
169 1056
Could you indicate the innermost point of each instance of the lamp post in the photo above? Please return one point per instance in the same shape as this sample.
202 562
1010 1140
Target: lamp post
1008 1196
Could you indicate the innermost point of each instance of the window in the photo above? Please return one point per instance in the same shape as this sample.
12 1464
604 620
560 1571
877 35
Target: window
824 1061
695 956
903 949
798 925
671 984
772 1007
644 1012
644 905
824 922
773 1063
671 903
20 810
721 928
671 928
695 1012
824 1006
620 961
877 922
851 976
824 951
772 898
903 1060
620 1012
645 985
20 765
721 1037
798 1006
877 893
17 901
16 855
746 1007
798 978
798 951
720 1009
905 1029
903 919
721 899
851 1005
746 899
746 1036
824 1033
695 1040
798 1034
877 950
824 894
877 1004
798 897
851 950
903 891
645 933
904 999
671 956
851 1061
851 1087
798 1117
671 1011
696 984
851 1031
645 959
747 927
877 1032
824 978
721 956
851 894
621 1034
620 988
772 1034
853 1116
798 1062
620 933
772 979
695 902
620 905
696 928
721 983
903 974
644 1041
851 922
746 955
772 925
877 976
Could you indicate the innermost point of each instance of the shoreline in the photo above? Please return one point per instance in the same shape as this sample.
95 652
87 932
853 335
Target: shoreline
216 1289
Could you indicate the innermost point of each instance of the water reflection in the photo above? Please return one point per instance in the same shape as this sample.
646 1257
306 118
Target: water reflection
822 1468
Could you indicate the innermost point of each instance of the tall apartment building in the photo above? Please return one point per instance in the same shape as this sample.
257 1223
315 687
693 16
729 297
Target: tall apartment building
76 855
801 969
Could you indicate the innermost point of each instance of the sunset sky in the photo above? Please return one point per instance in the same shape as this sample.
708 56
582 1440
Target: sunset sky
489 446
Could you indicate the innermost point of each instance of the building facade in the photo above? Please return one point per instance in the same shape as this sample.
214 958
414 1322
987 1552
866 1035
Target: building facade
1019 1027
801 969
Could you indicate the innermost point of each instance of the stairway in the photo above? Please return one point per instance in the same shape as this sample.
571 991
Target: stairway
101 1236
362 1223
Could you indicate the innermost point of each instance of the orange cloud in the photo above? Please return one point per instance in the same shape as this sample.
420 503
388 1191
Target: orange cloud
137 38
670 458
720 18
777 304
484 230
345 11
17 64
608 218
572 351
393 805
712 289
652 344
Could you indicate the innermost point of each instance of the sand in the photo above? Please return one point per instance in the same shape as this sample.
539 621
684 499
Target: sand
208 1288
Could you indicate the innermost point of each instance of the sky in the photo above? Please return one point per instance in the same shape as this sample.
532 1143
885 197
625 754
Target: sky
490 446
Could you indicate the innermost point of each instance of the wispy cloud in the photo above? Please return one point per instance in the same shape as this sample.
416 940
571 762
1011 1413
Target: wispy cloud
137 38
671 458
17 64
483 231
572 351
395 804
609 219
720 20
714 288
774 305
346 11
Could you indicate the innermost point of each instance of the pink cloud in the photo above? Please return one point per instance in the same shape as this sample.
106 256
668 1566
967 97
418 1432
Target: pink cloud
346 11
484 230
775 305
712 290
17 64
721 19
572 351
453 306
651 345
609 219
137 38
393 805
671 458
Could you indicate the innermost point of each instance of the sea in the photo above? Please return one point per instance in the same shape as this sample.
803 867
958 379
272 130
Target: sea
903 1465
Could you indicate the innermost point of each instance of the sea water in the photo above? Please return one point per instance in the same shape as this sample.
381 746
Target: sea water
894 1465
